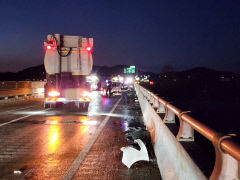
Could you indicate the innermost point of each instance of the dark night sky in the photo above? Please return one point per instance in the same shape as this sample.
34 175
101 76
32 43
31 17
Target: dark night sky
149 34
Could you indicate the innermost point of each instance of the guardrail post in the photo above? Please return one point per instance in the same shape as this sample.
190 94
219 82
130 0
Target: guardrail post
226 167
152 99
156 104
148 96
170 118
161 108
185 132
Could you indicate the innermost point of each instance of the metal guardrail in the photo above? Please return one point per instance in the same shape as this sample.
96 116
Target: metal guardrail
19 90
227 160
21 84
7 99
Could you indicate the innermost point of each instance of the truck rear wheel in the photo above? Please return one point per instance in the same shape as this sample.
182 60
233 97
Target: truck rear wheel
85 106
52 105
46 105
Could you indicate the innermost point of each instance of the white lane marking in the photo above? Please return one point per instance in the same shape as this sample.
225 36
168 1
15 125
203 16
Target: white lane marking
17 109
81 156
14 120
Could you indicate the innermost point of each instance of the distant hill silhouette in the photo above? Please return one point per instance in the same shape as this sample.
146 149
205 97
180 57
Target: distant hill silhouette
212 96
38 73
200 73
205 72
32 73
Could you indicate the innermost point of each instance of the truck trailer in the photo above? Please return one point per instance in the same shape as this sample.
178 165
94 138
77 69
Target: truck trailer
67 61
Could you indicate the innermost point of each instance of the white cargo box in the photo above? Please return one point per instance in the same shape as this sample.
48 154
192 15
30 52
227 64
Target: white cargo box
73 53
73 93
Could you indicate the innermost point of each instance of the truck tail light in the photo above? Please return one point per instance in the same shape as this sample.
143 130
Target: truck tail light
50 44
54 94
89 48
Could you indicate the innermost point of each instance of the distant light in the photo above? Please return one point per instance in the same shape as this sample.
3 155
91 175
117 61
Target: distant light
120 79
129 80
92 78
151 82
94 86
117 78
17 172
49 47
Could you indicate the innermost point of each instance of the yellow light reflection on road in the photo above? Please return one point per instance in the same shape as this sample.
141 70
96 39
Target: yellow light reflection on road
83 119
53 134
82 129
53 139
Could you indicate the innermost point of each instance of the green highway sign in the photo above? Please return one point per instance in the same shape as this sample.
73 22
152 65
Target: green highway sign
130 70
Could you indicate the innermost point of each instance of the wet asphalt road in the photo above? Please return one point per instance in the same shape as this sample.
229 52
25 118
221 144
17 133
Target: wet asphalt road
37 143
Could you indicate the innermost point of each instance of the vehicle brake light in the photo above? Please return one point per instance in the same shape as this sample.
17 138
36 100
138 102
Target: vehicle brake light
151 82
89 48
50 44
54 93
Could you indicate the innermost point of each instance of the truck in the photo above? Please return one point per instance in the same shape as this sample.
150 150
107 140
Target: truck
68 60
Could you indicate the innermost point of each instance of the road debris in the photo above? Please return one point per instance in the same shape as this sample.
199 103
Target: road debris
132 155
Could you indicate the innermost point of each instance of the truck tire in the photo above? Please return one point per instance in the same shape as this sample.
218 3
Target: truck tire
46 106
85 106
52 105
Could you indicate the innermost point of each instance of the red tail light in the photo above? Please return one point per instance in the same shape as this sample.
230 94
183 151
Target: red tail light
50 44
151 82
89 48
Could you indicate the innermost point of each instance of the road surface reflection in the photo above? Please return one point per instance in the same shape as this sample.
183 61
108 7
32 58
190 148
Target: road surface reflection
53 133
82 129
53 137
